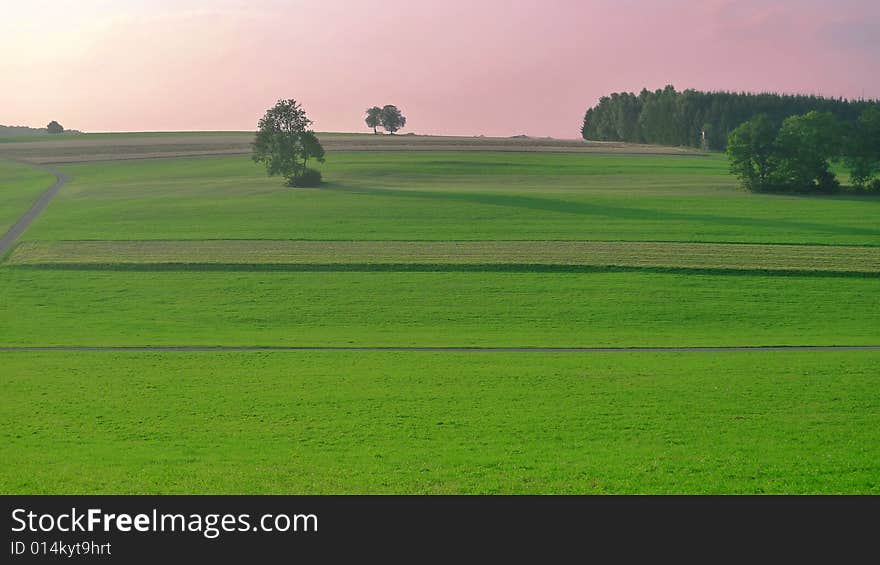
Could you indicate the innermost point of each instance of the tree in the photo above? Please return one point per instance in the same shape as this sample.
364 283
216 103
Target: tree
750 149
391 118
863 147
284 144
805 146
374 118
671 117
54 127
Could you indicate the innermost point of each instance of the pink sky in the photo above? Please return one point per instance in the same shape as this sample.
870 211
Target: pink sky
470 67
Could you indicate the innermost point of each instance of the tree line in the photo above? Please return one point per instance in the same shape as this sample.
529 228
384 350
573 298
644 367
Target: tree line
700 119
796 155
51 127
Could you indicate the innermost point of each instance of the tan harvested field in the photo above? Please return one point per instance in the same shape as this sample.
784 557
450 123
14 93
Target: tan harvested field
735 257
106 147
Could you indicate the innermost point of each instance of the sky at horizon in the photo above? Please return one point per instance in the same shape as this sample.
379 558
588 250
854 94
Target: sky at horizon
454 67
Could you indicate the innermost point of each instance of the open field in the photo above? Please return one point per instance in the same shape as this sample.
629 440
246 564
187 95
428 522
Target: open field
107 146
440 423
20 186
485 309
465 196
432 242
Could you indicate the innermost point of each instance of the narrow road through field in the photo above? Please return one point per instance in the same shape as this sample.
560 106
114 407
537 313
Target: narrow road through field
22 224
221 348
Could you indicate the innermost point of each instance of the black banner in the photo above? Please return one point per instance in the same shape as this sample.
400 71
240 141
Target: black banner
247 529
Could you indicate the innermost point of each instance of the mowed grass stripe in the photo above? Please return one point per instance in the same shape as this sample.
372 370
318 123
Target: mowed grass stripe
757 257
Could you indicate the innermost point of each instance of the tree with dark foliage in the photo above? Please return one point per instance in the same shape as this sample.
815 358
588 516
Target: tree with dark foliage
374 118
863 150
284 144
793 157
751 152
391 118
670 117
805 147
54 127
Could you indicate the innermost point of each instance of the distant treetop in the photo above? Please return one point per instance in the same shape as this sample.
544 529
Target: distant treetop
389 117
54 127
392 119
374 118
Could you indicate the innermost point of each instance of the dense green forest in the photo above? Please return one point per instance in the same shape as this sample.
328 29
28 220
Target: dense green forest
670 117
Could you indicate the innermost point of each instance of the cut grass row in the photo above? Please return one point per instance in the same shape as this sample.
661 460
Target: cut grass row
438 254
308 423
445 309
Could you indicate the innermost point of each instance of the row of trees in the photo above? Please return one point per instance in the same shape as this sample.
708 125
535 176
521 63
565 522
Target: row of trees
389 117
796 155
699 119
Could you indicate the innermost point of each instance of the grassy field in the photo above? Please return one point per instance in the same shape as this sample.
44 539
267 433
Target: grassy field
490 309
75 148
440 423
474 196
406 248
20 186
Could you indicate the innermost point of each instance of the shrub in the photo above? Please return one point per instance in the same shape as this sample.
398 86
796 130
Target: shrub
308 179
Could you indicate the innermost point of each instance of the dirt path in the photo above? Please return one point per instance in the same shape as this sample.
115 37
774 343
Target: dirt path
22 224
232 348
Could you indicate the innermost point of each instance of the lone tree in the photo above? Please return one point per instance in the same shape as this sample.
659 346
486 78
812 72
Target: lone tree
54 127
391 118
374 118
284 144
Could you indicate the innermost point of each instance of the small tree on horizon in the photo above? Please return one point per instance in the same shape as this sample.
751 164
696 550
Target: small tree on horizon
391 118
374 118
54 127
284 144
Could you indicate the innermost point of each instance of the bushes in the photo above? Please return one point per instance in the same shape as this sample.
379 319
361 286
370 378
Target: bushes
309 178
872 187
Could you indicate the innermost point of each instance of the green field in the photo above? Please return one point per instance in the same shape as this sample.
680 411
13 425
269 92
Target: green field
20 186
487 309
440 423
473 196
444 249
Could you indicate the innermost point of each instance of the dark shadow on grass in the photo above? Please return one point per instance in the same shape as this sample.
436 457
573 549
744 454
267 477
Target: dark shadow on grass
585 209
430 268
